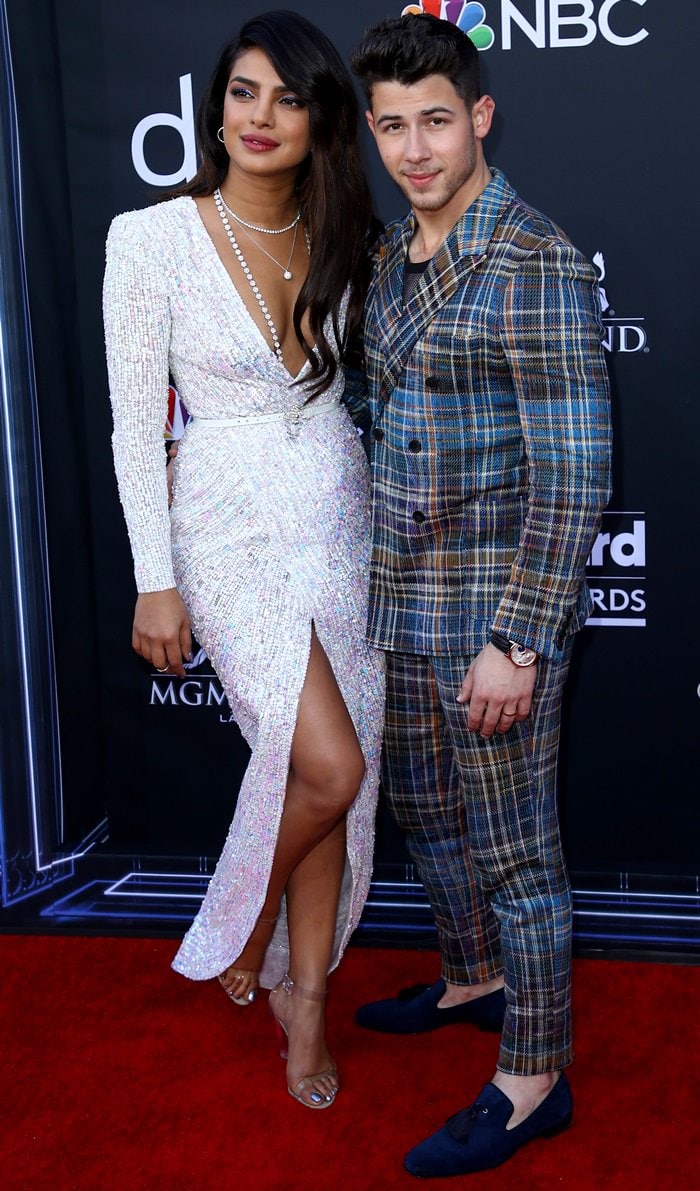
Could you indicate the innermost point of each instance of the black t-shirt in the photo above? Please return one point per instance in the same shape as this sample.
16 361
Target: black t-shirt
412 274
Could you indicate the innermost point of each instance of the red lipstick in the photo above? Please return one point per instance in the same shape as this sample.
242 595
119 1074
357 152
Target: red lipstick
259 144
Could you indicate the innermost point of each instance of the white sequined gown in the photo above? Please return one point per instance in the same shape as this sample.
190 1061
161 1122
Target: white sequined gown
268 533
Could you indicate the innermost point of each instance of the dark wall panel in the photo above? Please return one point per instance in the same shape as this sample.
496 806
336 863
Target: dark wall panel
585 130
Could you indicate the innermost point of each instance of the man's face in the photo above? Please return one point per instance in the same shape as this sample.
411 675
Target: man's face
430 142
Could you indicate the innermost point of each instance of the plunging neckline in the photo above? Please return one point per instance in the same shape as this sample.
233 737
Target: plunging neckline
232 285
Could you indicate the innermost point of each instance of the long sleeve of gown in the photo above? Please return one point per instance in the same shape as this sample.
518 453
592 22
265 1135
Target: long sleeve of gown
137 337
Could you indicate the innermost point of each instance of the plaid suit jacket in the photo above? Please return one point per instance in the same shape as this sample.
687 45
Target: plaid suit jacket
489 402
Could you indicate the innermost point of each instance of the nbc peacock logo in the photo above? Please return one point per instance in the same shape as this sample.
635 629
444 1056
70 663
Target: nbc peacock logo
467 16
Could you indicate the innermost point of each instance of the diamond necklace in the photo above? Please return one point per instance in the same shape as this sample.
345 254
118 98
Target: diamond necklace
253 227
219 202
286 273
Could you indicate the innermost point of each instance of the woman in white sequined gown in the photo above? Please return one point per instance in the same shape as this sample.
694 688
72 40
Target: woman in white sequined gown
265 549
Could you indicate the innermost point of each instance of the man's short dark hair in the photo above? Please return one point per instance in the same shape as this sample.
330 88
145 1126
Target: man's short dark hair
409 48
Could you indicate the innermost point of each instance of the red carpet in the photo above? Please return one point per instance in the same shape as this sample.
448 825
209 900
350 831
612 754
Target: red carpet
117 1073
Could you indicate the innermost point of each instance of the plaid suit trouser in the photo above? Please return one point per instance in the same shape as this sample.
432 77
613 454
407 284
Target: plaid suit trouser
481 825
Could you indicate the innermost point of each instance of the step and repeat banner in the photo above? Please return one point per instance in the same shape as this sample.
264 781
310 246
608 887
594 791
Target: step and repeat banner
594 126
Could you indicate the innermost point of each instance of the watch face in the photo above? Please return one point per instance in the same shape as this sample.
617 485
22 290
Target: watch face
520 655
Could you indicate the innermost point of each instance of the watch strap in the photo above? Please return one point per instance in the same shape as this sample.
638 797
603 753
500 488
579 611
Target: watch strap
519 655
502 643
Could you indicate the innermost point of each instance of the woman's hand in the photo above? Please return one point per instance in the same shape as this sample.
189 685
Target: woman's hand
161 632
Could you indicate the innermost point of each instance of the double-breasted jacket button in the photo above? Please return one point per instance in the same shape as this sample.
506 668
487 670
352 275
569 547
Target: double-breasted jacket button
418 516
377 434
415 445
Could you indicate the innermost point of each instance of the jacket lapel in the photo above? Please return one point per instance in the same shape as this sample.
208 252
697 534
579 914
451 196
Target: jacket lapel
397 327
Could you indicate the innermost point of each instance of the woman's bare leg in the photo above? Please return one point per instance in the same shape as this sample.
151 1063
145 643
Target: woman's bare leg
326 770
313 888
312 906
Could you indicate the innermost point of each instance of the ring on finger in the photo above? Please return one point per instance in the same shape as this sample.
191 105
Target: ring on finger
509 713
161 670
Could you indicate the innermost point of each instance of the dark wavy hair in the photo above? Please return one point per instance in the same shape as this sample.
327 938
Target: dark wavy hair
407 49
331 184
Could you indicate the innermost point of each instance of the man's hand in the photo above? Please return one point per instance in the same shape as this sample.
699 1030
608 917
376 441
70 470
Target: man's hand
161 632
497 692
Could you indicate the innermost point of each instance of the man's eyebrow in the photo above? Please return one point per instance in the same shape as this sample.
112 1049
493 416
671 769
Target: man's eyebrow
423 112
238 78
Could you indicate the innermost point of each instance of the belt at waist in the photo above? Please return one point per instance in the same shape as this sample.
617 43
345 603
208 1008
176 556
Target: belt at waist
292 417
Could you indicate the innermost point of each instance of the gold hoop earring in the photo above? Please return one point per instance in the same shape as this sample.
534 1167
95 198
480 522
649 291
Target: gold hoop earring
220 136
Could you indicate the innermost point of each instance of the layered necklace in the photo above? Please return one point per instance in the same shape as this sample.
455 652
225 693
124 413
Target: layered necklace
222 208
253 227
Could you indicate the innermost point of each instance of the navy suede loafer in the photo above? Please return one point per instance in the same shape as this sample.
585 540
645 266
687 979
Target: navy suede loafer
415 1011
477 1139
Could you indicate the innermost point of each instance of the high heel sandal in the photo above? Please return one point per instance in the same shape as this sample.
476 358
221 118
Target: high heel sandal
241 973
291 988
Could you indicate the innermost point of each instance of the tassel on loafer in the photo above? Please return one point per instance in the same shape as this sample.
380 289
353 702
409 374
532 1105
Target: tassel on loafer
477 1138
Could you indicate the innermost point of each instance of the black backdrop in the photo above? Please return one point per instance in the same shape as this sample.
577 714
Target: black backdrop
595 125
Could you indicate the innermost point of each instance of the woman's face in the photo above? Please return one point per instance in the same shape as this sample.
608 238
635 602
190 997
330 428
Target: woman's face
266 126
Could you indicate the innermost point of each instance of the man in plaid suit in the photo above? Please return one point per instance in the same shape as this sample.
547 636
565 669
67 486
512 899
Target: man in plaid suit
490 459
